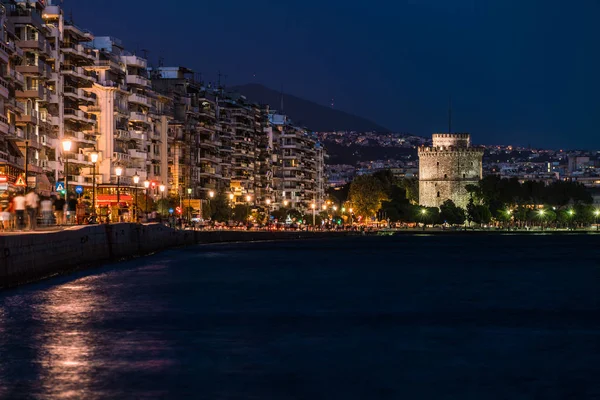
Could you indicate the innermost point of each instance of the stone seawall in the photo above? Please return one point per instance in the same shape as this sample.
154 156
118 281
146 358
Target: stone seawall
30 257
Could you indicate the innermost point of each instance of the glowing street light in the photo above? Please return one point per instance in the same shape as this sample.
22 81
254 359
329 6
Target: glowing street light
66 145
94 158
596 214
314 208
146 185
136 180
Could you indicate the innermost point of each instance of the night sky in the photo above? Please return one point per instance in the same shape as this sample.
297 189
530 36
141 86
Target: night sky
518 72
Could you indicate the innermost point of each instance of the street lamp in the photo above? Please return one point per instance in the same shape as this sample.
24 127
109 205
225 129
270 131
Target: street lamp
189 193
248 198
541 212
162 195
314 208
231 197
94 158
351 216
596 214
136 180
119 171
66 145
423 214
146 185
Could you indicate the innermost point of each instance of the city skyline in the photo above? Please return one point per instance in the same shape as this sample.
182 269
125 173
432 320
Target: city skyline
513 77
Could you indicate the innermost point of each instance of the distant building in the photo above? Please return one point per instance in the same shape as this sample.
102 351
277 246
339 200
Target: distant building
447 167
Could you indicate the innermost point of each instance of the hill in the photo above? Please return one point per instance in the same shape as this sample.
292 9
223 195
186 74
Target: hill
311 115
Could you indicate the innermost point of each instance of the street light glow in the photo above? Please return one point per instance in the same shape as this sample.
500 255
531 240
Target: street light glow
211 194
66 145
313 206
230 196
268 201
136 178
541 212
118 171
597 212
350 211
162 188
285 203
248 198
571 212
423 211
146 184
94 157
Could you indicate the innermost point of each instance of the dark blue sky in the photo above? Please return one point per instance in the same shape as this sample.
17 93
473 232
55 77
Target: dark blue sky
518 71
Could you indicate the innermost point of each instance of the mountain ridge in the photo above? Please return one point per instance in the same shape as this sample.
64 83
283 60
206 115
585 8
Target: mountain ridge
306 113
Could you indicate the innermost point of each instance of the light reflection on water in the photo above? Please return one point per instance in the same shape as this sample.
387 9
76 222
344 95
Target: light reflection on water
409 317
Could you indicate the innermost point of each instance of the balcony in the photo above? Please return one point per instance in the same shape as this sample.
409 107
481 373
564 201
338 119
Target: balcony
138 99
137 135
4 53
3 88
137 80
135 61
82 33
30 117
15 76
79 116
133 153
138 117
32 69
4 127
77 50
20 16
38 44
122 157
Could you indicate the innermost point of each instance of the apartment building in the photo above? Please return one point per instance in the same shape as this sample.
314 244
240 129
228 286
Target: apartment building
11 160
61 83
299 165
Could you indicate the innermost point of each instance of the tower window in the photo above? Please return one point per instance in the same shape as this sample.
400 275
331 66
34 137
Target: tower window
438 163
438 194
464 175
445 176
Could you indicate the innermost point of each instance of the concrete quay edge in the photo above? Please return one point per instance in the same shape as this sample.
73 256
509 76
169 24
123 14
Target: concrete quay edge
31 257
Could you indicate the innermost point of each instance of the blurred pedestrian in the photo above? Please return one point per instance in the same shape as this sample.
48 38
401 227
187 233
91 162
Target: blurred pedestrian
71 209
19 206
46 206
59 210
32 202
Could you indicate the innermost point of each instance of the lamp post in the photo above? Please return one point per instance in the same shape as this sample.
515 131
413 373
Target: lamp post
231 197
268 201
189 193
162 195
423 215
146 185
136 180
541 212
351 217
314 209
94 158
118 172
248 198
211 194
66 145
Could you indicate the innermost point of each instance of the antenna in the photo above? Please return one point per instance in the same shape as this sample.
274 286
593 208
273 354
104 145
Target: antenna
145 53
332 102
450 114
161 61
219 82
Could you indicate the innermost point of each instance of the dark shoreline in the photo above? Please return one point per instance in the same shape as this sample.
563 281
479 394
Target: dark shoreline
28 258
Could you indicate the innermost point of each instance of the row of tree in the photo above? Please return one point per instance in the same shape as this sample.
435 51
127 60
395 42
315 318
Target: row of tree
491 199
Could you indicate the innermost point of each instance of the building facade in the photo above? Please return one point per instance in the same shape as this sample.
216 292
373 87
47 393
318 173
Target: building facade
446 168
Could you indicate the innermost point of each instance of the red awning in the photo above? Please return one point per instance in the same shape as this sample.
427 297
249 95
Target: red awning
112 198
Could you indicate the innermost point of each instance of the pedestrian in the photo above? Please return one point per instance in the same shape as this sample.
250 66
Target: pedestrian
32 202
71 208
19 206
5 207
59 210
46 206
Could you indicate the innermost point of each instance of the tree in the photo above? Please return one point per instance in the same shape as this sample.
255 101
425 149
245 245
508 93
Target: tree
219 207
366 195
240 213
411 186
452 214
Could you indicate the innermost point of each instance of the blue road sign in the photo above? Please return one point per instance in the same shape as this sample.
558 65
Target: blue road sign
170 211
60 186
78 189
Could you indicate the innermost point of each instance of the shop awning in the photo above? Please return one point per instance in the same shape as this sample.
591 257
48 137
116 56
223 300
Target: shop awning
106 199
